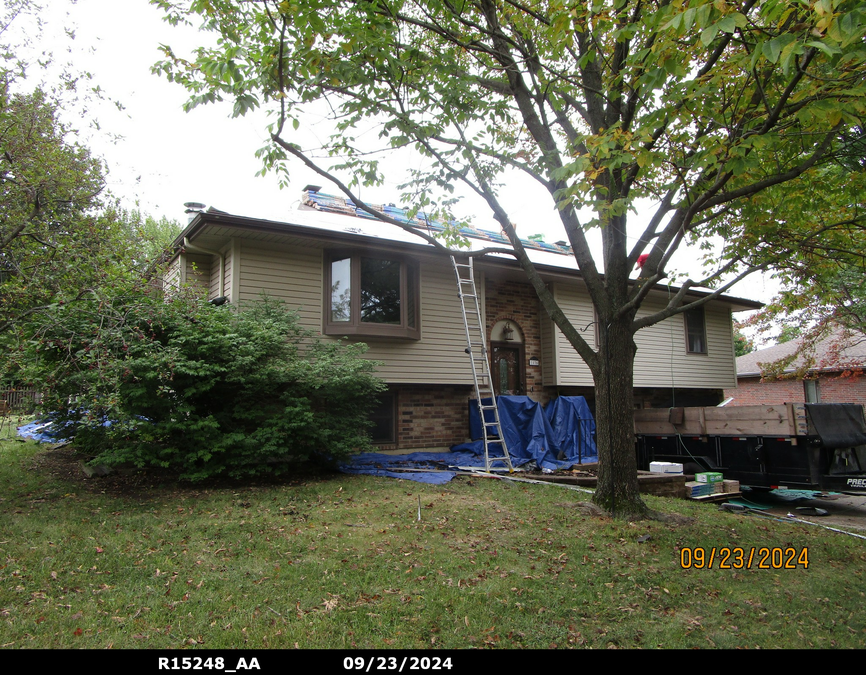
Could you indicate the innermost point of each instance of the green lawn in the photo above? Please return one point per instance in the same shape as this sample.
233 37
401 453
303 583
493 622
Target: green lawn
342 561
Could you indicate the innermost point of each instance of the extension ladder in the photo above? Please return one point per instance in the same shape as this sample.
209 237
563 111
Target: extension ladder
476 347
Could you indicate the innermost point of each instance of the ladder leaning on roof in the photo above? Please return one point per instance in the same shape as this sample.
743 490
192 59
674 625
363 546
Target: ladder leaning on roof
476 347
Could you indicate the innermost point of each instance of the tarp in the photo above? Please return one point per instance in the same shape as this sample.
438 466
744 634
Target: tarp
421 467
573 428
44 430
839 425
530 434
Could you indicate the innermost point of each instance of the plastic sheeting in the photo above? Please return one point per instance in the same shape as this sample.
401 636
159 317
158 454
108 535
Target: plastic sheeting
557 438
415 466
840 425
573 428
44 430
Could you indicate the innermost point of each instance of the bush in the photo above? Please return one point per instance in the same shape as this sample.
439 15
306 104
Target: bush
204 390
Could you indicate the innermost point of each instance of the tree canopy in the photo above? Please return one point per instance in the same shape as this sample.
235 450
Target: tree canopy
700 107
62 235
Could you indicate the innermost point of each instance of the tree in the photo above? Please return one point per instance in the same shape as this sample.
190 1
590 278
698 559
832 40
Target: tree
49 194
823 293
699 106
742 344
199 389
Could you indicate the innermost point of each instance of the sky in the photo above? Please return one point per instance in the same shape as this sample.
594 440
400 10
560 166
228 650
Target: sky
159 156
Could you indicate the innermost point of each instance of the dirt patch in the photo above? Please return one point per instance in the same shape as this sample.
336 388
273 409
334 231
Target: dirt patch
65 464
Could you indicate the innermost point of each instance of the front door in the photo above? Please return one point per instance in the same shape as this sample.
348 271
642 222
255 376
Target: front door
507 370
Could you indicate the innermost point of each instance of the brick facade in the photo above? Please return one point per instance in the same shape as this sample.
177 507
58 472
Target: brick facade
518 303
831 389
437 416
430 416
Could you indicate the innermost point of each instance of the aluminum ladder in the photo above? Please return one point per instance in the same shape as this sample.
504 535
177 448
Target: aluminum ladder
476 347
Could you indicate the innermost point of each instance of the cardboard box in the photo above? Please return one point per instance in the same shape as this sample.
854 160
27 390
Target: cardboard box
665 467
695 489
708 477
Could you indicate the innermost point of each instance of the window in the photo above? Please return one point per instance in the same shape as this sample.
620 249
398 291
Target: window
383 419
810 389
696 331
372 296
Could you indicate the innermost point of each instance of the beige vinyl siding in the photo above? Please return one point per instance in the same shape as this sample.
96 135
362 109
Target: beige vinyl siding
662 359
439 356
549 364
213 289
294 274
171 280
291 274
198 270
577 306
230 259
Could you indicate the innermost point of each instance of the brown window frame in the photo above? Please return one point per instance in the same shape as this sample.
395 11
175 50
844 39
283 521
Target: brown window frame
354 326
703 315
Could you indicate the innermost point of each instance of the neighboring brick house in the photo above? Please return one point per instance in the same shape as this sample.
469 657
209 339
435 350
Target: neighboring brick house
835 375
326 261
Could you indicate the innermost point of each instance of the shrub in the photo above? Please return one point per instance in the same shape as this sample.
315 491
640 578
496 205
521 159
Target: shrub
204 390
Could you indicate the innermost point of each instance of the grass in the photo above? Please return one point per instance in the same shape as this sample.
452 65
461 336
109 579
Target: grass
341 561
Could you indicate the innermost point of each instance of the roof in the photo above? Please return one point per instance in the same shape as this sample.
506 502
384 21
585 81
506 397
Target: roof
338 220
841 350
320 201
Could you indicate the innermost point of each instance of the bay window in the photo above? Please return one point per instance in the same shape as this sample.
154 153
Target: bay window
371 295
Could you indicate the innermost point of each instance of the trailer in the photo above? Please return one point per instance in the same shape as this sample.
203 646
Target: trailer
793 445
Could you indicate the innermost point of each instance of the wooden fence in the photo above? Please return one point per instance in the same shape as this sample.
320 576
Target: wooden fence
19 399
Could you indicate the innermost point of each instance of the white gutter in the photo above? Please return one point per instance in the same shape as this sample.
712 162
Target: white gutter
198 249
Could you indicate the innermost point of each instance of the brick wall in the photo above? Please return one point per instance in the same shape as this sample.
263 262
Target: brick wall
831 389
518 303
842 389
430 416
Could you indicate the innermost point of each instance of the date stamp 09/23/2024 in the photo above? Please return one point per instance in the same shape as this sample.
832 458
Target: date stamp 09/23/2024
744 558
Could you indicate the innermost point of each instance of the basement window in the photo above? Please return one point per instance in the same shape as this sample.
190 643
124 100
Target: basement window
383 418
372 296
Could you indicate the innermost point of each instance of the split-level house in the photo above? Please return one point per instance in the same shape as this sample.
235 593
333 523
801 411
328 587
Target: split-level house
351 277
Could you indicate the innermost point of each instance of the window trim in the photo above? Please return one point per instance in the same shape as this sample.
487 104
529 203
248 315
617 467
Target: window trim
355 327
816 390
703 314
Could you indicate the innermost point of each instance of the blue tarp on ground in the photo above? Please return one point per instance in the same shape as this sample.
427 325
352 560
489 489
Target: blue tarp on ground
556 438
43 430
379 464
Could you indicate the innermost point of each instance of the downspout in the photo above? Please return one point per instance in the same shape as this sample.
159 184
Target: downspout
222 258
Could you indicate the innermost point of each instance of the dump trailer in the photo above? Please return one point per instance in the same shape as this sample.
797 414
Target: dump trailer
794 445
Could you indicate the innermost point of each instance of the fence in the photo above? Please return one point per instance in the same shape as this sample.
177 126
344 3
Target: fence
19 399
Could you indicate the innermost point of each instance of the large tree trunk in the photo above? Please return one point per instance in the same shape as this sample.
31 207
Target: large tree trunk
617 490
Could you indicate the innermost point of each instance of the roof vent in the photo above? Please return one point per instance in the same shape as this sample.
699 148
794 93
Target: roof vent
192 208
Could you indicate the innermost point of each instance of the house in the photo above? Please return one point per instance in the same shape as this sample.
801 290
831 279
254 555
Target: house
833 373
358 278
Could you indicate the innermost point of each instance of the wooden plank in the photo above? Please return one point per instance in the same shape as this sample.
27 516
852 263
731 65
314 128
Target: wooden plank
773 420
